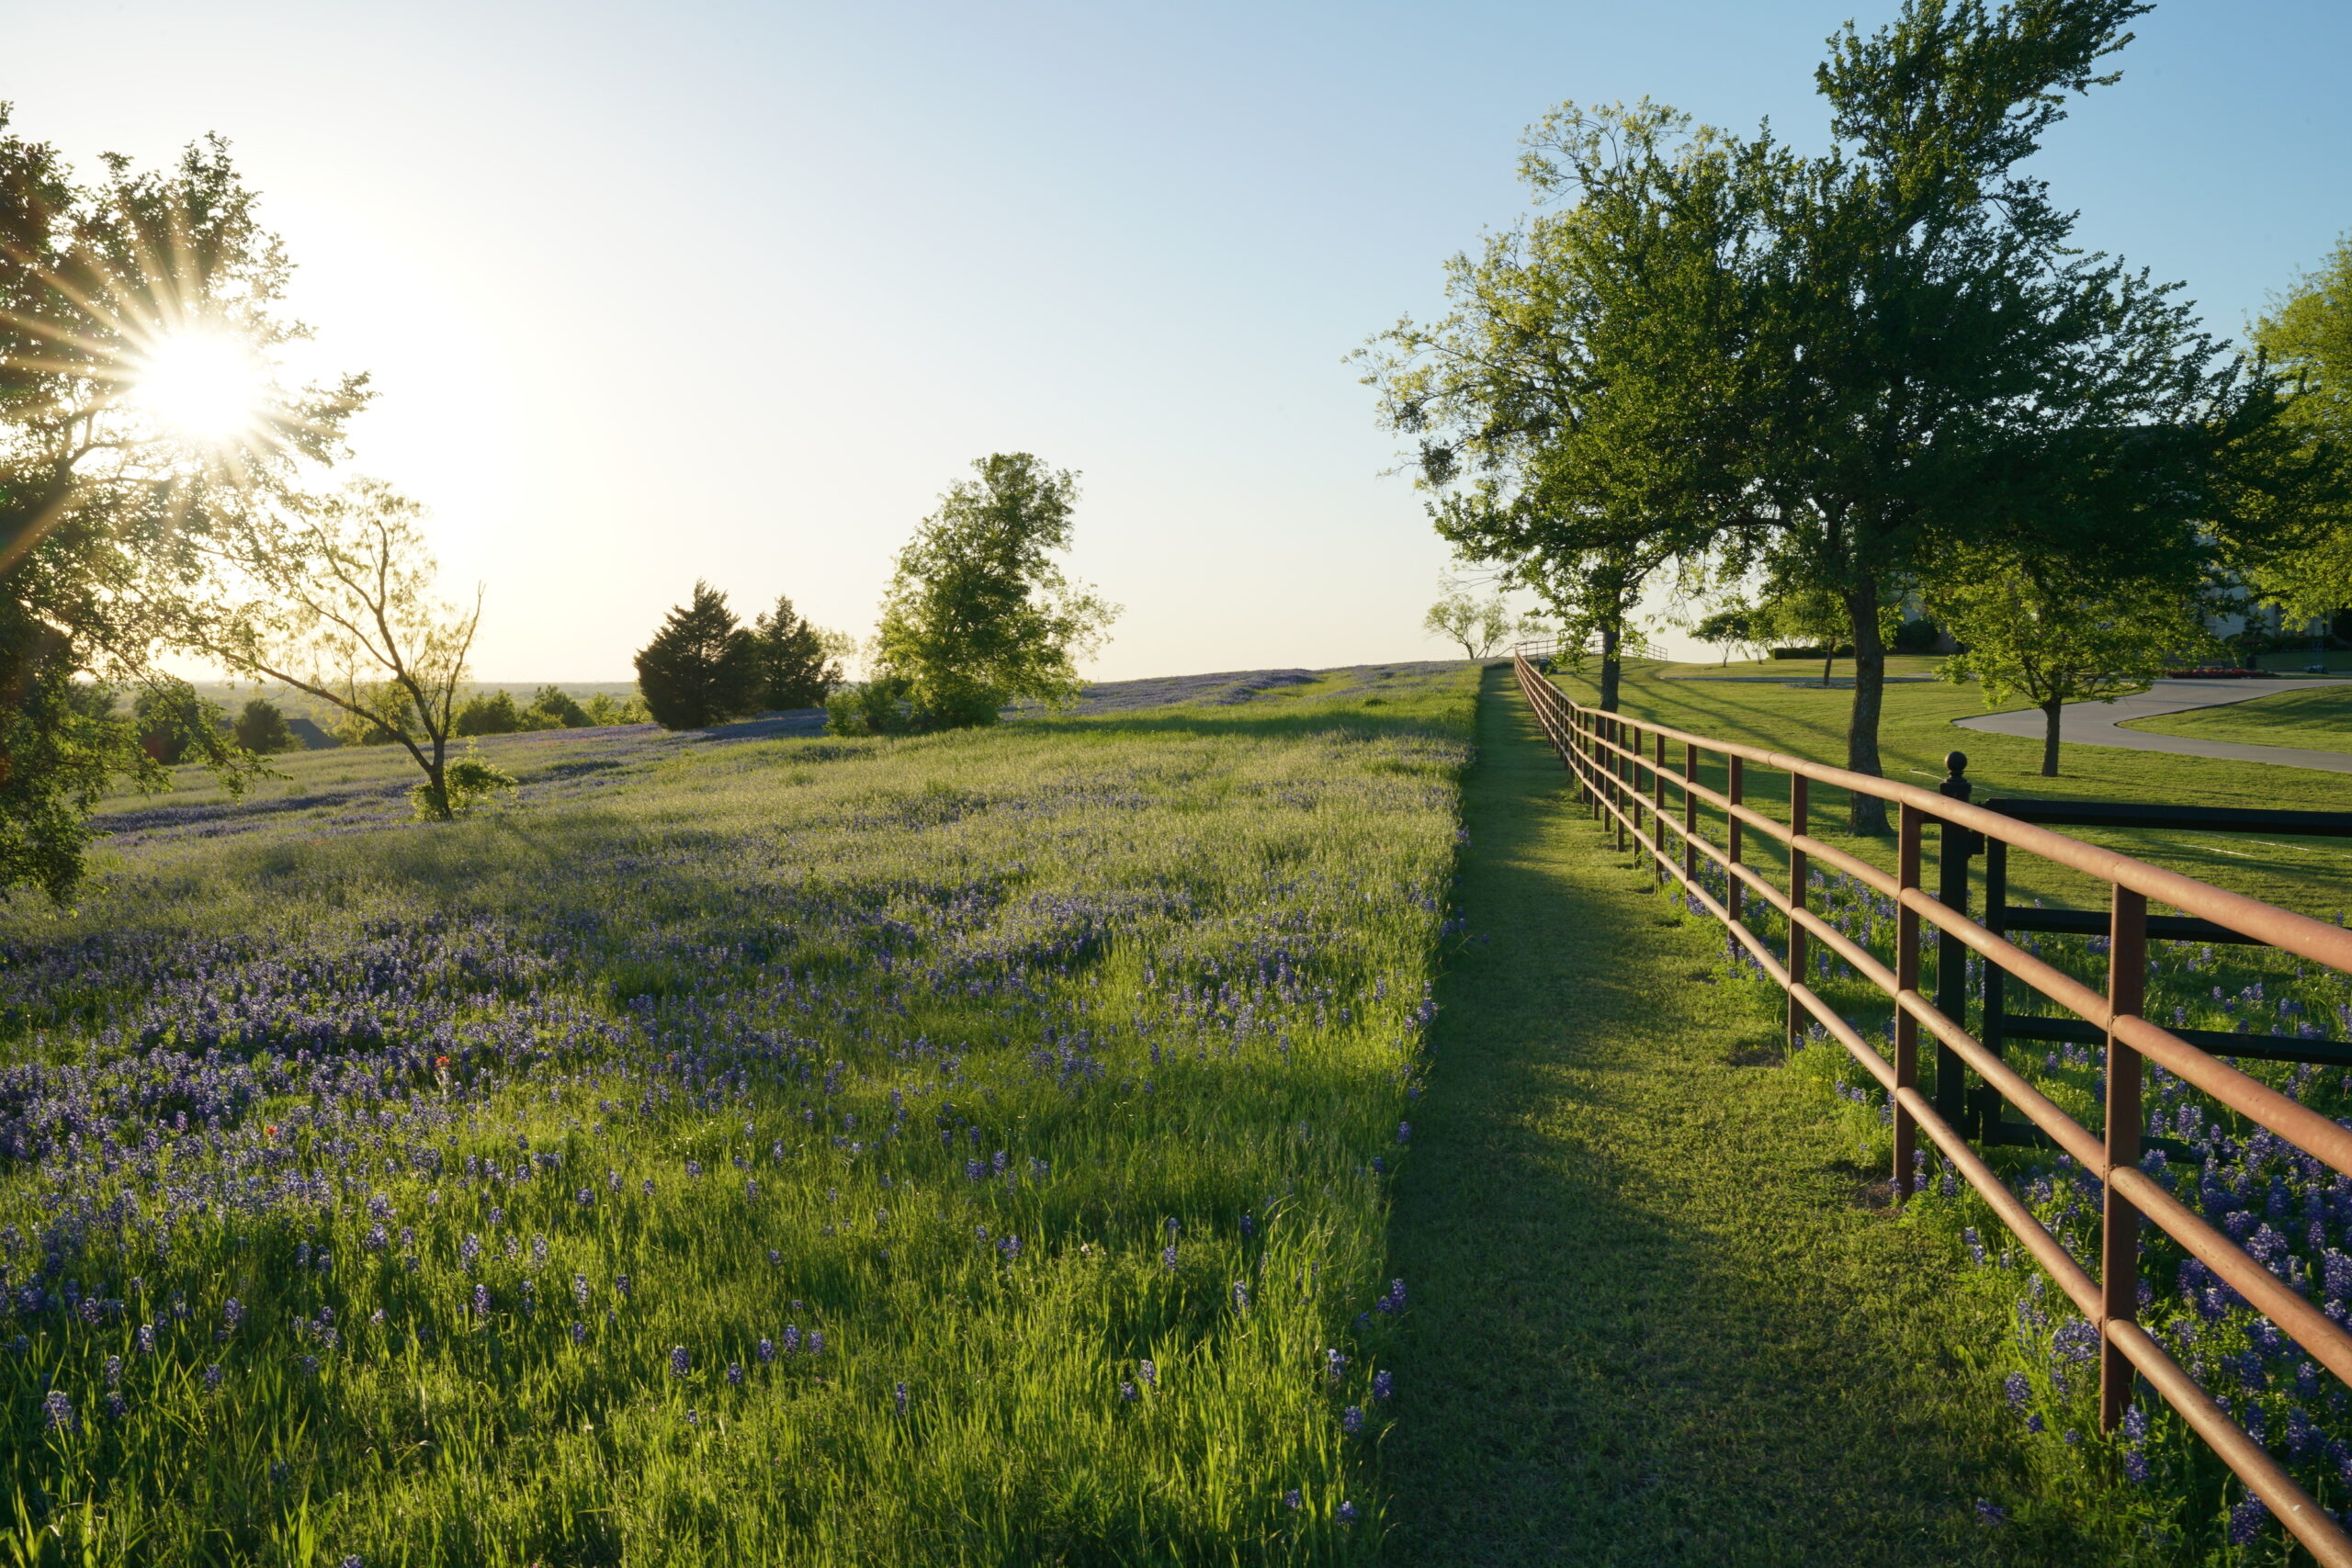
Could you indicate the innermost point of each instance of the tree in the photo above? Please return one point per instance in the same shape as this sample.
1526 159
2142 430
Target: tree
799 662
1478 625
1733 628
602 709
702 667
2040 631
2307 336
977 615
261 728
489 713
553 709
141 418
1558 437
1930 364
340 604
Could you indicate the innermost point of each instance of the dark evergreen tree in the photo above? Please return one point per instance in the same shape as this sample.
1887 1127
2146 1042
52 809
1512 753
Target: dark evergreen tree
702 667
797 667
261 728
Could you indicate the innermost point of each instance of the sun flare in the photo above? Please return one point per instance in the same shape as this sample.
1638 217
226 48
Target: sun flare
202 386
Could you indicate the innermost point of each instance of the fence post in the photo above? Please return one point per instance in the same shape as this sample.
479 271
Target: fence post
1994 992
2118 1260
1798 801
1690 812
1617 780
1657 803
1952 960
1906 978
1734 791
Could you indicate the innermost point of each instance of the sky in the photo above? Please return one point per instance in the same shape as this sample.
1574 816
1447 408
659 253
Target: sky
653 293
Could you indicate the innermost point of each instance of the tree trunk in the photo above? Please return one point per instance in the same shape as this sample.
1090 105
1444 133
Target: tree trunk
1828 658
2050 737
1610 669
1866 814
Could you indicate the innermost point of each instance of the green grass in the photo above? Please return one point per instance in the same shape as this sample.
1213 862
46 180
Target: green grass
2316 717
1050 1072
1915 732
1668 1317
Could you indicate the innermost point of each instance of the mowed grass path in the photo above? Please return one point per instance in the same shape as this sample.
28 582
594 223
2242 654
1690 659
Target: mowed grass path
1659 1316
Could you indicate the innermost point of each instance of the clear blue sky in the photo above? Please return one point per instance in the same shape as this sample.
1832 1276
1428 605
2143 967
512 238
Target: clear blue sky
661 292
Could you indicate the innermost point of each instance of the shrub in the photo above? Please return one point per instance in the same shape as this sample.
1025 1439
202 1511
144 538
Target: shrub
603 708
489 713
552 708
466 783
261 728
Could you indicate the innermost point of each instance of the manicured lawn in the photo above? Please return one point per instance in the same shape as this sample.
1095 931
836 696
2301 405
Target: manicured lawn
2316 717
1917 730
1661 1314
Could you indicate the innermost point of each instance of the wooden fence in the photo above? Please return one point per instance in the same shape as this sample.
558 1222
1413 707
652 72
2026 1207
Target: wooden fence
1624 775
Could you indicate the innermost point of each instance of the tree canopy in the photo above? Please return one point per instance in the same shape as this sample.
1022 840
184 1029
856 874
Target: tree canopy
142 422
978 614
702 667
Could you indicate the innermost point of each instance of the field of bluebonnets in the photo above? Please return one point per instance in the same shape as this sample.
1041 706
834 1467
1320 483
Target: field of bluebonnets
961 1149
2161 1492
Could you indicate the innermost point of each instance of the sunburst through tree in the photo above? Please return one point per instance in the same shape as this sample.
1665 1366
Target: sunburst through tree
143 420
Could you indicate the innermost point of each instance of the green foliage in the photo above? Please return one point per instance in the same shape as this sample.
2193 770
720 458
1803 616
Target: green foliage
2308 336
489 713
261 728
466 782
109 514
701 668
339 602
977 615
799 662
603 708
553 709
2031 630
883 705
1478 625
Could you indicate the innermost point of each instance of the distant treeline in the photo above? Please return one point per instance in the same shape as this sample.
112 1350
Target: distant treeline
263 726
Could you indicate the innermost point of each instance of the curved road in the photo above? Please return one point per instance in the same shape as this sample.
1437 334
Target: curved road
2095 724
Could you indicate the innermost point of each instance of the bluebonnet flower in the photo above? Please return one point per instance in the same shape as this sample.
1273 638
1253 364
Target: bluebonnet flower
694 1168
1241 1296
1167 1258
775 1257
735 1373
114 1371
497 1217
679 1363
580 1288
1383 1383
898 1398
1404 1132
57 1412
1010 1246
232 1312
1334 1365
791 1339
1292 1500
468 1251
2135 1465
1991 1513
620 1283
2246 1520
648 1187
538 1249
1128 1391
767 1350
351 1559
693 1419
212 1377
1346 1514
482 1301
579 1332
146 1339
1351 1420
585 1197
816 1342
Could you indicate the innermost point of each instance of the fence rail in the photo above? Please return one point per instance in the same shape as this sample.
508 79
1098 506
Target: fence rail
1620 767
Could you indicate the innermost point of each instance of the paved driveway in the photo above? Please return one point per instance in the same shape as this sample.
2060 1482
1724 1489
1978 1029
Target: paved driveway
2095 724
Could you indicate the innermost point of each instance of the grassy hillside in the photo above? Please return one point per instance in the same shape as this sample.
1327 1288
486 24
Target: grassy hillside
968 1149
2316 717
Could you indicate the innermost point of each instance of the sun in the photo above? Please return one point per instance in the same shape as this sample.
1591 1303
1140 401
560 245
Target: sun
202 386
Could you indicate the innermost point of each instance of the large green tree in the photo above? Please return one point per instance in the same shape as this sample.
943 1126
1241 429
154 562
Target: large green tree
141 421
798 660
702 667
978 613
2307 335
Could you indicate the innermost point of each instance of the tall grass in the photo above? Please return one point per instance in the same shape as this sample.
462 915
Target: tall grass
967 1149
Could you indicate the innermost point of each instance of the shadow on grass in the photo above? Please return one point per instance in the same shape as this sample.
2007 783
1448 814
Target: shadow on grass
1656 1319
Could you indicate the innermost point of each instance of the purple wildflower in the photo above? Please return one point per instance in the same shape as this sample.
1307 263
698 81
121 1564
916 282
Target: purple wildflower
898 1398
57 1412
1351 1420
1347 1514
735 1373
679 1362
1383 1383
